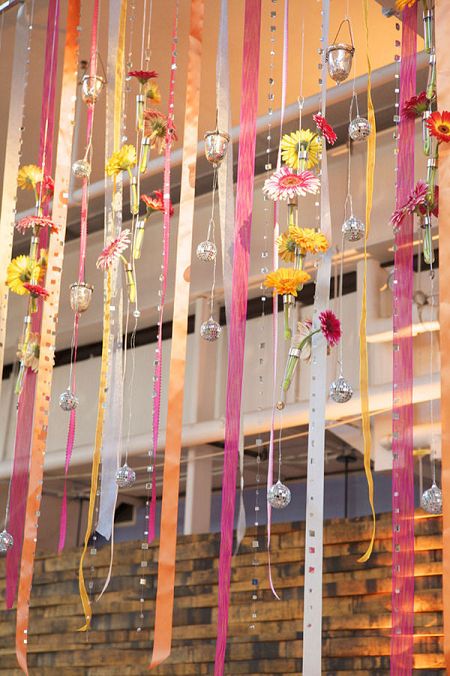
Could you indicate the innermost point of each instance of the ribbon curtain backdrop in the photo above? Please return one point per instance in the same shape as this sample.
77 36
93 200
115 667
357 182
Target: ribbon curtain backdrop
169 512
236 344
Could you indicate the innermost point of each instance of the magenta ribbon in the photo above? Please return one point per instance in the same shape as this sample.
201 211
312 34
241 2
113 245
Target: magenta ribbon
242 235
81 266
24 424
157 373
402 417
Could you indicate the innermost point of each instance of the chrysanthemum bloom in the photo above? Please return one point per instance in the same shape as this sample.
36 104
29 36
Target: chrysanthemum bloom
143 76
122 160
415 106
285 184
35 222
301 140
439 126
114 250
286 280
308 240
29 176
286 248
36 290
156 128
21 271
330 327
152 92
325 129
155 202
401 4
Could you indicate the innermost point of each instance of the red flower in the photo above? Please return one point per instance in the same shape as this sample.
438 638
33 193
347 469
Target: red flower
415 106
416 201
155 202
439 126
143 76
35 222
48 188
325 129
36 290
330 327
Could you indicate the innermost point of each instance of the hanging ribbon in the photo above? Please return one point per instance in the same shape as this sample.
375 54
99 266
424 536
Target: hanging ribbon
238 320
312 603
26 403
171 479
81 266
49 319
442 22
157 374
363 357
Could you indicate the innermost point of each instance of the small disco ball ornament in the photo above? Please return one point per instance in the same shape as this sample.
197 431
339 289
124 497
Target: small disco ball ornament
81 169
125 476
80 296
431 500
359 128
340 390
207 251
67 400
353 229
278 495
6 541
280 405
210 330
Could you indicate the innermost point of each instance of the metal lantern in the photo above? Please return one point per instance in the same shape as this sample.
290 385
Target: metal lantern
216 144
207 251
125 476
339 56
353 229
359 128
91 87
67 400
210 330
6 541
80 296
81 169
278 495
431 500
340 390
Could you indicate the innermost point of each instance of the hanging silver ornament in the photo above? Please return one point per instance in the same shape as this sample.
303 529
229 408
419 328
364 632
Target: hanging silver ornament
67 400
210 330
6 541
353 229
125 476
359 128
278 495
431 500
80 296
339 56
216 144
207 251
280 405
340 390
81 169
91 88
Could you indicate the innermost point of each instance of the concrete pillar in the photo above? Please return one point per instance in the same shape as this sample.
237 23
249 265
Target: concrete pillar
197 510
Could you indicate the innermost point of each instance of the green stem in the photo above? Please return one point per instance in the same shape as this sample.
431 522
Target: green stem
431 83
428 253
287 329
138 240
144 157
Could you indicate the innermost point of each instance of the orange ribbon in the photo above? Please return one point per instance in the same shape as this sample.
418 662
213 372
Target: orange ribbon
48 330
442 23
169 514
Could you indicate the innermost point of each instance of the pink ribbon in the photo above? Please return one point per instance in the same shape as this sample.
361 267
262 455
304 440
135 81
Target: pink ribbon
24 425
244 207
402 422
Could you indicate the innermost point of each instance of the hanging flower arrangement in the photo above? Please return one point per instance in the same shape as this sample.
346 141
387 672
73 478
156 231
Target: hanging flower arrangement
143 76
301 149
324 128
416 106
22 271
156 128
35 223
286 281
285 184
114 250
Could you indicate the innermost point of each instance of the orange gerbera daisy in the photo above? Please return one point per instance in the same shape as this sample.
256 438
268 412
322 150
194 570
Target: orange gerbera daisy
286 280
439 126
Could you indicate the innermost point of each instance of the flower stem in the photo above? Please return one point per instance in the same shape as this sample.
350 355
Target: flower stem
287 329
138 239
428 253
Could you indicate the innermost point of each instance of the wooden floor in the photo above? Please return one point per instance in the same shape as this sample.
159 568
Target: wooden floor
357 601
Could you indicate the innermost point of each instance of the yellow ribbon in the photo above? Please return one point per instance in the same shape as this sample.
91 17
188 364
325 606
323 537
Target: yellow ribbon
363 359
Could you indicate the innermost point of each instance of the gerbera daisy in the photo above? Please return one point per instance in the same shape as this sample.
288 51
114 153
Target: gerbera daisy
308 240
415 201
21 271
330 327
114 250
286 280
325 129
152 92
29 176
415 106
48 188
29 352
401 4
304 330
431 206
286 248
35 222
122 160
439 126
155 202
143 76
285 184
36 290
156 128
301 140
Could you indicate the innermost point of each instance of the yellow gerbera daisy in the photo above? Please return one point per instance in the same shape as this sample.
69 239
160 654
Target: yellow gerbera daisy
286 280
286 248
308 240
292 144
401 4
29 176
122 160
22 270
152 92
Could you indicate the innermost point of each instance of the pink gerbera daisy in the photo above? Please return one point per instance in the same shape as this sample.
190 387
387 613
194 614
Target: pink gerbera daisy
285 184
35 222
416 200
115 249
330 327
415 106
46 189
36 290
325 128
143 76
